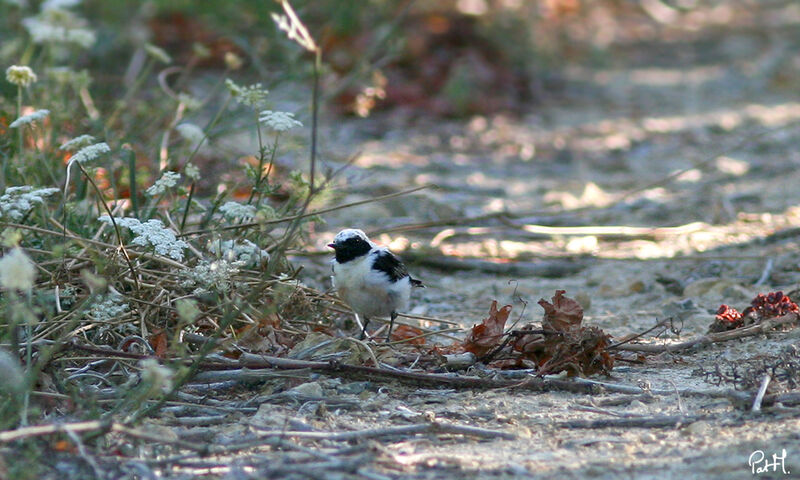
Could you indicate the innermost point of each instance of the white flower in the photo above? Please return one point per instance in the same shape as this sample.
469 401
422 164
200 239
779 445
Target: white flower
81 36
87 154
152 233
30 118
214 275
108 307
77 143
59 4
20 75
246 252
156 376
158 53
279 121
167 180
233 89
252 96
192 171
16 202
17 271
191 133
234 210
58 26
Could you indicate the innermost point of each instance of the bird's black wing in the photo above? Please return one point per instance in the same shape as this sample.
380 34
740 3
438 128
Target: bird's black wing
388 263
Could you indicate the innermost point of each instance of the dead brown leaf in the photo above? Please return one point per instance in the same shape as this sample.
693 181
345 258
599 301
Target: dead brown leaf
563 344
158 341
486 336
563 315
404 332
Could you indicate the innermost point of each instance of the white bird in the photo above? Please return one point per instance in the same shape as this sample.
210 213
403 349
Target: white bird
369 278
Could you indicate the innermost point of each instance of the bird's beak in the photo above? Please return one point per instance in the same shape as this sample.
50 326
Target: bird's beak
332 245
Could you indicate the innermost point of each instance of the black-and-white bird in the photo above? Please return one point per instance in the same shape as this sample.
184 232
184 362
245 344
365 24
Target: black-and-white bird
369 278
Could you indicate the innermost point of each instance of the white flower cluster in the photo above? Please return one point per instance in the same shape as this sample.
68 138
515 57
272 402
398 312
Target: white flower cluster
214 275
30 118
245 252
108 307
87 154
234 210
77 143
279 121
51 4
191 133
167 180
17 271
20 75
16 202
58 26
192 171
152 233
252 96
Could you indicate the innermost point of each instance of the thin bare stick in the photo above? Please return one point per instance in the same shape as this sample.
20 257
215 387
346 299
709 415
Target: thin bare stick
673 421
432 427
96 243
766 273
658 325
40 430
761 391
116 227
309 214
711 338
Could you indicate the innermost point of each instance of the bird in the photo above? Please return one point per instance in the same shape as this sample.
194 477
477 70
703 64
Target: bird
370 279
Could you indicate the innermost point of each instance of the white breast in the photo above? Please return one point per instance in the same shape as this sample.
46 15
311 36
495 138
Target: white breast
368 292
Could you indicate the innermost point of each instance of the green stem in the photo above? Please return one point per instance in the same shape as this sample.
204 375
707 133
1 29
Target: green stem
211 125
186 210
261 176
260 160
134 194
116 227
28 356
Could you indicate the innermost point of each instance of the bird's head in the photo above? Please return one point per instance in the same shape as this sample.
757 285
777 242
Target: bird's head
349 244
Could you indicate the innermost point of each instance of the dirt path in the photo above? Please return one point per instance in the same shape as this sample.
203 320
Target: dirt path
721 112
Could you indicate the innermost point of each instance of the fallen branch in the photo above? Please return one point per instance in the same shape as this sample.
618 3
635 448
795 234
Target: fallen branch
546 268
641 422
40 430
533 383
432 427
711 338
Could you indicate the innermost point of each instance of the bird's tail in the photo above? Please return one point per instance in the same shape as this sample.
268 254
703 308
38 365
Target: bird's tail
416 283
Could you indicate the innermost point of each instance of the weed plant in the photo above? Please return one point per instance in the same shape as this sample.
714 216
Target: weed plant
125 224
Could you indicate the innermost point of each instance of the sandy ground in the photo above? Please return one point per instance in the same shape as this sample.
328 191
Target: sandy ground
653 140
697 130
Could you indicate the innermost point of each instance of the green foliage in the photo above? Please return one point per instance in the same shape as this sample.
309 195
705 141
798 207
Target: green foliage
105 228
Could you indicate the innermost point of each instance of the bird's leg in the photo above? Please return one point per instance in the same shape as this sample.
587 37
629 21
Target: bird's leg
364 328
391 324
